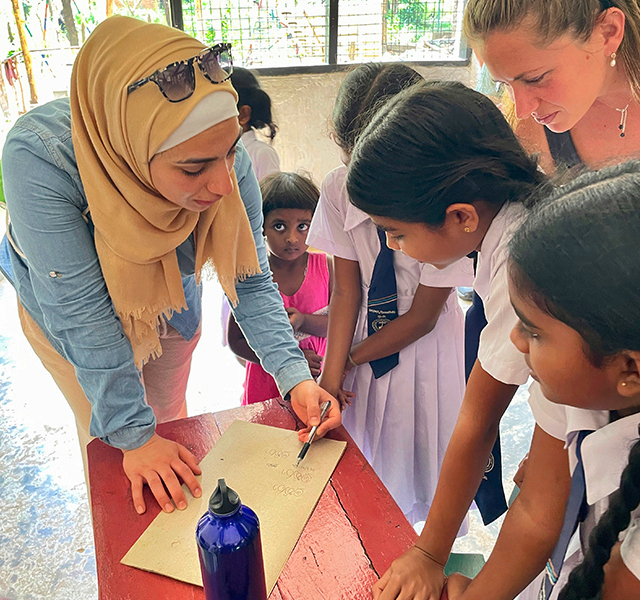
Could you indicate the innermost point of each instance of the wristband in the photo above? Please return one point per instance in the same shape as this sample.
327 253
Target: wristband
429 556
353 362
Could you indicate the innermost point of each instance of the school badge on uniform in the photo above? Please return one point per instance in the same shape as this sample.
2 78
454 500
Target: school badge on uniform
382 303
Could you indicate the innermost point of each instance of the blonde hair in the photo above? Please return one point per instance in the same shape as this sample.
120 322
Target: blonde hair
553 18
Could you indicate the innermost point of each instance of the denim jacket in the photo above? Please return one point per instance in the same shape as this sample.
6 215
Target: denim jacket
55 271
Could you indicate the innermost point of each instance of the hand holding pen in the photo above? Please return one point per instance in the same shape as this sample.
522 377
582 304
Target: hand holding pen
307 399
312 433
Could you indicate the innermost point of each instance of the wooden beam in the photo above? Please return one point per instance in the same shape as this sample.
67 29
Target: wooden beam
25 50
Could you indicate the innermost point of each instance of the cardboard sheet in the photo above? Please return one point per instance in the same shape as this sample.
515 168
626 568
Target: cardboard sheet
258 462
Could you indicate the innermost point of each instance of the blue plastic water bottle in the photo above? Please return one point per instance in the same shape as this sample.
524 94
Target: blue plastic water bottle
230 551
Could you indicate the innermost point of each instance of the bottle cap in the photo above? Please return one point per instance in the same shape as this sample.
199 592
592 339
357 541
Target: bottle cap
224 500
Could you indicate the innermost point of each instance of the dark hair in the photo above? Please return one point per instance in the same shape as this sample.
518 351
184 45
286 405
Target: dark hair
362 91
288 190
576 257
435 144
252 95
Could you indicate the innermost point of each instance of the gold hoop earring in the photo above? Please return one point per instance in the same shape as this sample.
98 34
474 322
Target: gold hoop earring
467 230
613 59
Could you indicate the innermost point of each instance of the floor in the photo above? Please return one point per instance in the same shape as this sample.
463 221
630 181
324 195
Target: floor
46 543
46 540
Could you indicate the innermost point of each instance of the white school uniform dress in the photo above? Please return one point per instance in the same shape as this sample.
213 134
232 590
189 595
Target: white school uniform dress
264 158
605 454
496 353
402 421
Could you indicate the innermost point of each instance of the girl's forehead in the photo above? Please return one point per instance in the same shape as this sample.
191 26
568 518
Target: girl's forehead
290 214
390 225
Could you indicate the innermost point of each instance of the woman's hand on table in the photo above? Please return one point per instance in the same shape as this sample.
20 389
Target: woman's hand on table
306 399
412 576
160 463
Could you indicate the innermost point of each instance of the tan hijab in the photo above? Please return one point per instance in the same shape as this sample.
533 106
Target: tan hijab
137 231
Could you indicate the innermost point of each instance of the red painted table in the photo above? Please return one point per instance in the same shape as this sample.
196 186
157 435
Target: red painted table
353 535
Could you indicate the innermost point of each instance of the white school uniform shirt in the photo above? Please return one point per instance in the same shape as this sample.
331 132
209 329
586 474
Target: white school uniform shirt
497 354
264 158
605 454
402 421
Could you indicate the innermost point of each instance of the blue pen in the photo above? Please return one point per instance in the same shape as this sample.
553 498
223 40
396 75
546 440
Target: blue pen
312 433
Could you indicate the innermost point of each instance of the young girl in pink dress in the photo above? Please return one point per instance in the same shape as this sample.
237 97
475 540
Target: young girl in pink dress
289 201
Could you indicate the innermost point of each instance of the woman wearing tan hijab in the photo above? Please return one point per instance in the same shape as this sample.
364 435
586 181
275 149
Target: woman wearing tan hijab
118 200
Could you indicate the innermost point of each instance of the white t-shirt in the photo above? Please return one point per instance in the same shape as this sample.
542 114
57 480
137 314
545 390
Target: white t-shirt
264 157
497 354
605 454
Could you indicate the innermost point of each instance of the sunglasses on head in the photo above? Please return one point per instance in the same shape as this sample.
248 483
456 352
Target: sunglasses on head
177 81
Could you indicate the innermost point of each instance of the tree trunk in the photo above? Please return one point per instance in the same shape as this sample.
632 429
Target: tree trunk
69 23
25 50
109 8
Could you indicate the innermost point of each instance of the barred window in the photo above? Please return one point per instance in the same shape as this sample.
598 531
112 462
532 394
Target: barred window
270 34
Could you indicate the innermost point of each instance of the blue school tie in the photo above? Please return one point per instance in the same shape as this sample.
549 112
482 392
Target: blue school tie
575 512
382 302
490 498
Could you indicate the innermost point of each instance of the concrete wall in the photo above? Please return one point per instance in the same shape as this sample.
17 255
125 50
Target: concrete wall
302 106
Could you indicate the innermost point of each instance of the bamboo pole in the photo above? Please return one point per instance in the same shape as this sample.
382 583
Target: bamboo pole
25 50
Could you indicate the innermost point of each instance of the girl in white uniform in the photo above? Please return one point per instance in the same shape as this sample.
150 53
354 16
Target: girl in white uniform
579 327
254 108
440 170
402 421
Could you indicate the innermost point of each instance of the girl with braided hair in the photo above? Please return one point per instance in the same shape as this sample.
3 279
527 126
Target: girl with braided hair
573 285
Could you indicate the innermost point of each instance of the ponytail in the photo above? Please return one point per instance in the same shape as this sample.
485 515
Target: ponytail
362 92
252 95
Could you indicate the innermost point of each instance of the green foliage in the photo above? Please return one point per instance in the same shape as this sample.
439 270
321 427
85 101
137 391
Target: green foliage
210 36
225 23
414 16
411 14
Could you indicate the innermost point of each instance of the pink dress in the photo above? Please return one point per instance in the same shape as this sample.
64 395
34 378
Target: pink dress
311 298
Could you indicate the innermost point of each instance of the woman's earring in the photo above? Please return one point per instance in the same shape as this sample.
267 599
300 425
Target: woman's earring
624 384
613 59
467 230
